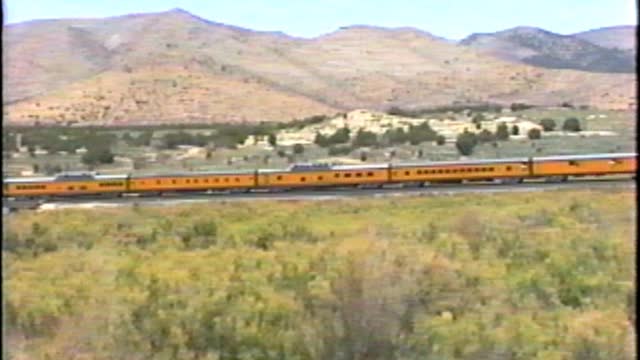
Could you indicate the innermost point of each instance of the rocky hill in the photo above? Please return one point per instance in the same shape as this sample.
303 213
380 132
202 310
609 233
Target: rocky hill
176 67
542 48
614 37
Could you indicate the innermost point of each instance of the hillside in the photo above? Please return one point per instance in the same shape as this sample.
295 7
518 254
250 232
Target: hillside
614 37
546 49
176 67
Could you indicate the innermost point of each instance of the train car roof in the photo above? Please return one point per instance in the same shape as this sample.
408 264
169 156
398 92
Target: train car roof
461 162
584 157
57 178
293 169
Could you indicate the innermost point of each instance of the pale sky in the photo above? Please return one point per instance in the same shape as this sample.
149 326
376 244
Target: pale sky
453 19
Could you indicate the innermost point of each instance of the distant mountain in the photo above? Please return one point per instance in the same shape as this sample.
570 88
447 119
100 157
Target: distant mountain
615 37
176 67
542 48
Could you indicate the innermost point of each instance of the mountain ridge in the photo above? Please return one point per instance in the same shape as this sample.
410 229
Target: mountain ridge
57 70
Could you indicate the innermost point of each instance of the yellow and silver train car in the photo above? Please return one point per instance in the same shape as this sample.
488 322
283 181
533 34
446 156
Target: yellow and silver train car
316 176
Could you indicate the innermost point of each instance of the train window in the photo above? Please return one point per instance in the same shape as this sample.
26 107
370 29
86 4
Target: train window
195 181
188 181
358 174
226 179
573 163
336 175
491 169
369 174
407 173
237 179
508 168
206 180
279 177
70 188
157 182
216 180
347 175
419 172
83 188
320 178
303 179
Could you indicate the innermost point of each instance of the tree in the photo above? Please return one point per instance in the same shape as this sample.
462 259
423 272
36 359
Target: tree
363 156
421 133
486 136
321 140
477 119
298 149
341 136
273 140
97 155
365 138
502 133
548 124
515 130
571 124
395 136
466 142
441 140
534 134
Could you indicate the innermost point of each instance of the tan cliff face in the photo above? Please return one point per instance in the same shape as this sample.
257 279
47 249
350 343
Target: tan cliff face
175 67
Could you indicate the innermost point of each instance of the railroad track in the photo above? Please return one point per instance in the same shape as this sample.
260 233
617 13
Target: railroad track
319 194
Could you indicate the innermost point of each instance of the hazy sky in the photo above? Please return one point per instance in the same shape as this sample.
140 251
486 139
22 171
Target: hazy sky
453 19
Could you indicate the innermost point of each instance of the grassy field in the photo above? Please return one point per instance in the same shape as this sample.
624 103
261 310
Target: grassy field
518 276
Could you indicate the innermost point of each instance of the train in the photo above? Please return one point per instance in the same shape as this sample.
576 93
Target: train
314 176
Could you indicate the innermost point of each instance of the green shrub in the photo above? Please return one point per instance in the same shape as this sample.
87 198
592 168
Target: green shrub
571 124
548 124
534 134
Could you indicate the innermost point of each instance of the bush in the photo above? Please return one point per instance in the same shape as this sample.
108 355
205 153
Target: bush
466 142
298 149
421 133
363 156
395 136
515 130
365 138
548 124
477 119
486 136
341 136
98 155
534 134
273 140
441 140
520 106
571 124
567 105
502 133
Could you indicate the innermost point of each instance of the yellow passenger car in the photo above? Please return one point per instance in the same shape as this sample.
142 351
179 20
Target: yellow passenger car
462 170
322 175
193 182
583 165
67 184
